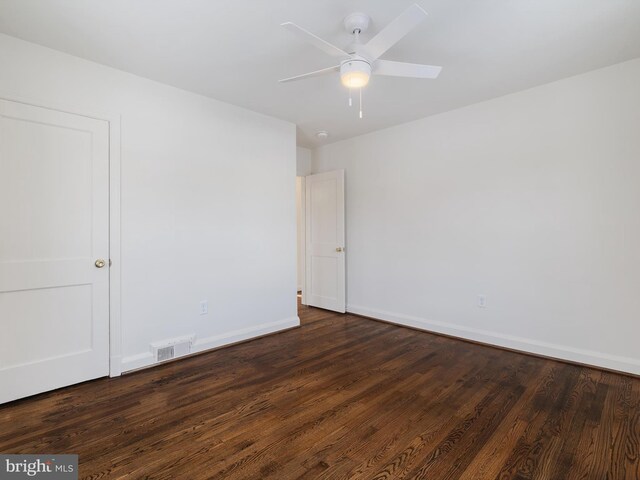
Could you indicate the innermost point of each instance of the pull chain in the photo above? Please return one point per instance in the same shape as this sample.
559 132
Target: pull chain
360 102
350 99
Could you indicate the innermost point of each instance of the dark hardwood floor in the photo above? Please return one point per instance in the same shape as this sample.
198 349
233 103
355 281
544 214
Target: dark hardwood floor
342 397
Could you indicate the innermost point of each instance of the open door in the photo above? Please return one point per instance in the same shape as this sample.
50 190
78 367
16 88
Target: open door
325 262
54 249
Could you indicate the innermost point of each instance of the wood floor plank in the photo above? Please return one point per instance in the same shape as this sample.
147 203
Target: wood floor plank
583 464
342 397
490 459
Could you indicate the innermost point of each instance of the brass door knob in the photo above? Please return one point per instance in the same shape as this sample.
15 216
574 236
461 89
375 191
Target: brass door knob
100 263
339 249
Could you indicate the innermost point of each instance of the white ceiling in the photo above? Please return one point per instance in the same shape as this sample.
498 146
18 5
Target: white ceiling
235 50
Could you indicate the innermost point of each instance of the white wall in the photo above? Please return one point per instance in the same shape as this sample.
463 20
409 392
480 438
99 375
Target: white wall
532 199
208 201
303 161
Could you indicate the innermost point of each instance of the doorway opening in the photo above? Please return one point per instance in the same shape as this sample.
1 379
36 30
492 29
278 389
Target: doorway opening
62 168
321 240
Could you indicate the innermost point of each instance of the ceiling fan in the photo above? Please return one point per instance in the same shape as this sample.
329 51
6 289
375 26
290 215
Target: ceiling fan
360 61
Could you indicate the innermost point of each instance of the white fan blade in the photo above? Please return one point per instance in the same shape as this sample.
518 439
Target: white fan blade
315 40
317 73
393 32
401 69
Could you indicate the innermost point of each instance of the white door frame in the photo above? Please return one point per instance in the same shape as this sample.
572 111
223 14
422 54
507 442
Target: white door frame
301 223
115 338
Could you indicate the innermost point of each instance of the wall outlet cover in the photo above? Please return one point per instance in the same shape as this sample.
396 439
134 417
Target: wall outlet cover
482 301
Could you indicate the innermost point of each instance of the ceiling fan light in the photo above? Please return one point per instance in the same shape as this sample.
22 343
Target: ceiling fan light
355 73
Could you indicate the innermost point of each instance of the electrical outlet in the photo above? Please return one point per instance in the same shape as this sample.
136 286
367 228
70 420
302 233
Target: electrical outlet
204 307
482 301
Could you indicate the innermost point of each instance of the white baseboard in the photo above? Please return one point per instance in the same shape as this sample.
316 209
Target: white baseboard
146 359
134 362
562 352
240 335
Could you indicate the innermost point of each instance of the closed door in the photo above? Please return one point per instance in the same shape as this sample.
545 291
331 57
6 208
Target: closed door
325 252
54 234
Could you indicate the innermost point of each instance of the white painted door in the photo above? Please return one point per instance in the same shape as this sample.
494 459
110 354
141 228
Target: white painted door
54 226
325 262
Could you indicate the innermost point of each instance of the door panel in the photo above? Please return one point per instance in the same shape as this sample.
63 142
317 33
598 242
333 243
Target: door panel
63 306
54 224
325 275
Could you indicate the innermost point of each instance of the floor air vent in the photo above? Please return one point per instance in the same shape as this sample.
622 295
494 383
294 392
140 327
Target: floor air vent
173 348
165 353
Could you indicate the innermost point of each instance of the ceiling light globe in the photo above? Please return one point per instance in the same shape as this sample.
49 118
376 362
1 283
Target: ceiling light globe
355 73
